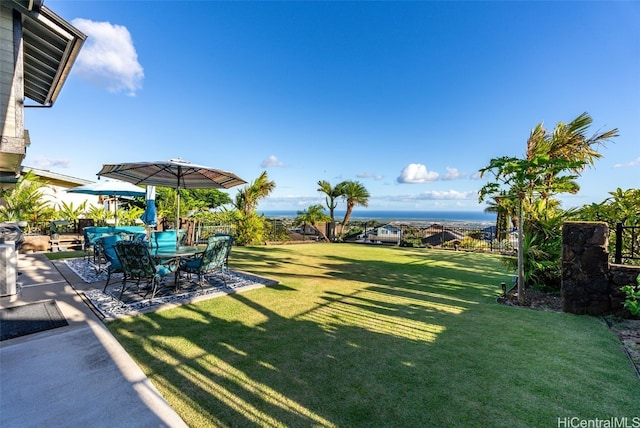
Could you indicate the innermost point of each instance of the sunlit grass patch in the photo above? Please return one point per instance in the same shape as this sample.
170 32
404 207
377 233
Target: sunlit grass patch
377 336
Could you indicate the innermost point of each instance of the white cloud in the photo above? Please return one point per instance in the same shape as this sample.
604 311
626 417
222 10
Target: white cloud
448 195
370 175
46 163
289 202
417 173
270 162
476 175
108 58
633 163
453 174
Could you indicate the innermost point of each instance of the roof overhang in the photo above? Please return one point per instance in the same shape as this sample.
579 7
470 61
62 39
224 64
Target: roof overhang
51 46
54 178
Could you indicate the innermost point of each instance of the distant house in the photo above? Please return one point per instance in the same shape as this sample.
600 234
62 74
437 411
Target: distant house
438 235
387 234
489 233
306 229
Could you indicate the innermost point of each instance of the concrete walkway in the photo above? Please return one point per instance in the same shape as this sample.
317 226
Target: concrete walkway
71 376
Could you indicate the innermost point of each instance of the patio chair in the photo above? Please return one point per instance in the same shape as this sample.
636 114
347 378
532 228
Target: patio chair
167 239
139 266
91 234
212 259
182 237
226 259
105 247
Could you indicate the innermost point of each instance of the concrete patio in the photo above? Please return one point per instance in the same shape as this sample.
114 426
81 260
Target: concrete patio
76 375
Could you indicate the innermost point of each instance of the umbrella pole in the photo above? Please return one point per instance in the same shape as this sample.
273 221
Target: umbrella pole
178 209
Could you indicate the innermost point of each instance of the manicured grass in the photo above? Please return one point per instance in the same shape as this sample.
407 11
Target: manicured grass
378 337
60 255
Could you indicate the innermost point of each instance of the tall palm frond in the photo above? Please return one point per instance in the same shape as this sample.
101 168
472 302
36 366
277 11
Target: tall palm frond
332 193
354 193
249 196
313 215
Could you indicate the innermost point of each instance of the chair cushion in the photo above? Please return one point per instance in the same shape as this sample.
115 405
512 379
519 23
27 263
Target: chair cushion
109 248
163 270
192 264
164 239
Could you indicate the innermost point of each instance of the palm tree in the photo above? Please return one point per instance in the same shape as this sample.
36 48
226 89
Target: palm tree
25 201
312 215
498 206
568 142
354 193
249 226
249 196
332 194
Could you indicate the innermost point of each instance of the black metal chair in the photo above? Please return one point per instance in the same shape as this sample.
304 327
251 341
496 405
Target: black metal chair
139 266
214 258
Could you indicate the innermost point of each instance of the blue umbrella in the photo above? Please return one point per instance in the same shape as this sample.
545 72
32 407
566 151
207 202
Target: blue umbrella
113 189
149 215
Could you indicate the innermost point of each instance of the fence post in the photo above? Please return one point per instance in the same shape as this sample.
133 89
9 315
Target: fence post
618 257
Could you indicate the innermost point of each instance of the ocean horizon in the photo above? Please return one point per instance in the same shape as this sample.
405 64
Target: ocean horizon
399 215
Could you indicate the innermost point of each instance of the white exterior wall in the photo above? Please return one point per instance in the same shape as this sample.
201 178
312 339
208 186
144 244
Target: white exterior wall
55 195
386 233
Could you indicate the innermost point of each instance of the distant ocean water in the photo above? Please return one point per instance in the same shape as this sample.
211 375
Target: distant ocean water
408 216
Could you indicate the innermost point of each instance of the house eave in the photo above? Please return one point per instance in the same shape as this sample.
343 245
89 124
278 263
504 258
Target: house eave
51 46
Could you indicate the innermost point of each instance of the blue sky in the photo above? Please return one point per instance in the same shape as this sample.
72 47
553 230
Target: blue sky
409 98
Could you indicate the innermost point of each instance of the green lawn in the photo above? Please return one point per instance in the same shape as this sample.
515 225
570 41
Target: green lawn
373 336
60 255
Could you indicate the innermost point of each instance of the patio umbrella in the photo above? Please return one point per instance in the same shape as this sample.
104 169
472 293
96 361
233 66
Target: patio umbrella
149 215
114 189
175 173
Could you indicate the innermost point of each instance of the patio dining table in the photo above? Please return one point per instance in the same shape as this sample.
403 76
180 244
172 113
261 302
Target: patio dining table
166 255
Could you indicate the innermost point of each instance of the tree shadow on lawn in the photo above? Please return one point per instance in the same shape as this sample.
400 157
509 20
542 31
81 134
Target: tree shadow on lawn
343 363
399 344
463 275
263 256
363 357
445 269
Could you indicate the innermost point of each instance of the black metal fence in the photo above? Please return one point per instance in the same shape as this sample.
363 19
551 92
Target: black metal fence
627 244
449 236
202 232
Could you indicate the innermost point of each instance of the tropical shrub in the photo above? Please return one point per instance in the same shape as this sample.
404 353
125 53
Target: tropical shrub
249 228
25 201
277 230
470 243
70 212
632 301
130 217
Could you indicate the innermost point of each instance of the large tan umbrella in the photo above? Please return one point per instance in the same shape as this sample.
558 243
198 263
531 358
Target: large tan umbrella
175 173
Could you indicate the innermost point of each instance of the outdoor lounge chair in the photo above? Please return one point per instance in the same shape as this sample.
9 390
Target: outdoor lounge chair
212 259
139 266
105 247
